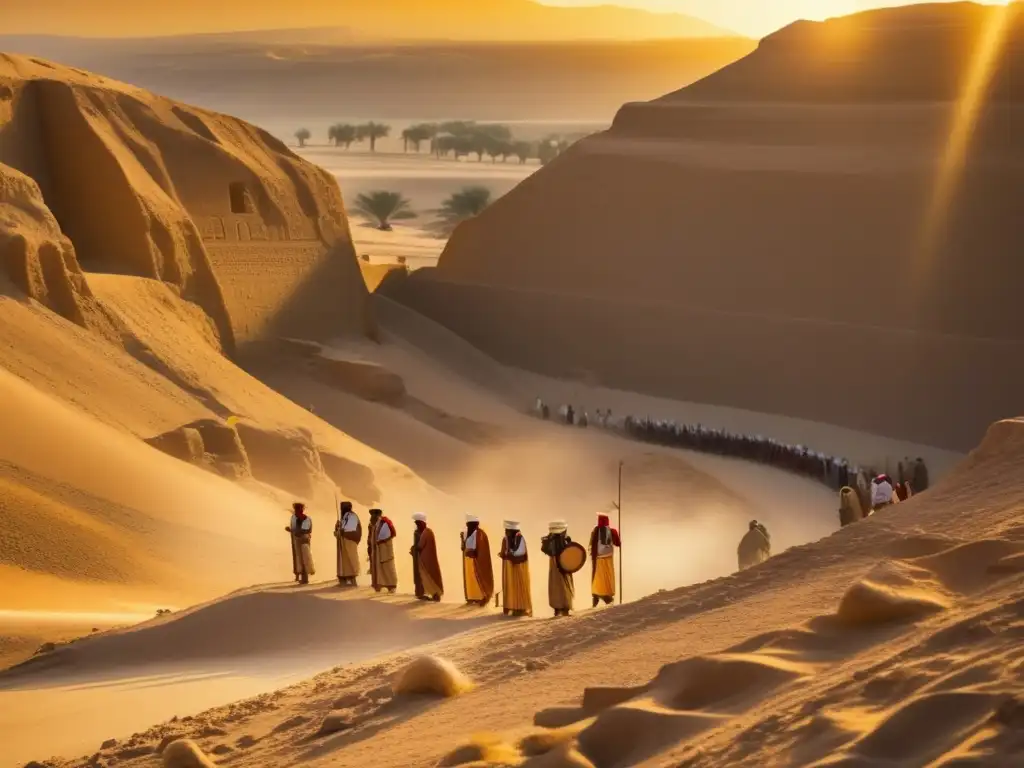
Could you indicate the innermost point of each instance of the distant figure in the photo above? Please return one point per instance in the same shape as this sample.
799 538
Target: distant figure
349 532
902 491
539 407
755 546
380 546
426 569
515 572
570 415
561 589
881 492
478 574
920 476
545 412
583 420
603 541
301 529
850 510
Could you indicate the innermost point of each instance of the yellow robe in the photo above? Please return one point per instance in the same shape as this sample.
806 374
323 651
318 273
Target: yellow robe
603 583
515 587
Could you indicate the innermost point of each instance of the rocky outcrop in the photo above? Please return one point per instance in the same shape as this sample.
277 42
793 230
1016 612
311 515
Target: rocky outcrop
801 233
285 459
123 181
207 443
37 259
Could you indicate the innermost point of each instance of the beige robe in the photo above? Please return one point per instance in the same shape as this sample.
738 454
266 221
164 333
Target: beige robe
754 548
383 571
561 589
348 549
302 555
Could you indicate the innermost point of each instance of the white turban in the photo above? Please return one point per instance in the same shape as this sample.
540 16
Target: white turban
419 516
472 519
557 526
511 525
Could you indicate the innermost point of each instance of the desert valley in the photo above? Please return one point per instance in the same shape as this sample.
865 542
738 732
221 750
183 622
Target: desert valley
757 272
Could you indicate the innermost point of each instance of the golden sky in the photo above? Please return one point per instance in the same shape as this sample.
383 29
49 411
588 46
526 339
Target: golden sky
758 17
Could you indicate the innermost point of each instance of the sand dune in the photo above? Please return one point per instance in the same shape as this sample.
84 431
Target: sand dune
750 228
125 489
908 658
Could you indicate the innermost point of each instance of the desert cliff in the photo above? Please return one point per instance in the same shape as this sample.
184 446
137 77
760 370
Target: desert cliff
121 181
813 208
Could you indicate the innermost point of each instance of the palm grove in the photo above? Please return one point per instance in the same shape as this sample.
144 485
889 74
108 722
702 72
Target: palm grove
454 139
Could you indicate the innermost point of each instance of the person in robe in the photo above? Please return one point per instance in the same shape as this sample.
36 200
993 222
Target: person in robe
561 589
380 545
919 477
426 570
348 532
515 572
301 529
755 546
603 541
477 571
850 510
881 492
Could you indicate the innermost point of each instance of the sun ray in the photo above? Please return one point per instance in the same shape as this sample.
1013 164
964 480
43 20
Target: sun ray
966 113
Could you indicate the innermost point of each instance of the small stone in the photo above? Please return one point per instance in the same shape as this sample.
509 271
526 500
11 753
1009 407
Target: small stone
109 744
533 665
333 724
222 749
291 722
246 741
46 648
212 730
130 753
348 701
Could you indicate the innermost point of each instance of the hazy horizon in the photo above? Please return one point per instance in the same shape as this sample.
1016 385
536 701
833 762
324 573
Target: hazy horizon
698 18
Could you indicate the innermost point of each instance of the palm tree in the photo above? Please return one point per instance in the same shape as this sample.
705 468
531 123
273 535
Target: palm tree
303 135
523 150
374 131
342 133
383 207
408 137
464 204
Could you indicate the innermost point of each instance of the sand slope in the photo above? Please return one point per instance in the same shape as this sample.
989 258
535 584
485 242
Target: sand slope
782 209
903 647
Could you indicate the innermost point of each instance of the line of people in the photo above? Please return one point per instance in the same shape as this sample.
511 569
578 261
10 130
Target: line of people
565 556
839 474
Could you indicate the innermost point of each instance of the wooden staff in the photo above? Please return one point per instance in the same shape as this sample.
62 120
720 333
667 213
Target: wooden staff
618 506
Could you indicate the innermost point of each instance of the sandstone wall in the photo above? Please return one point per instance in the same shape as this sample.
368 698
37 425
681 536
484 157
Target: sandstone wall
144 186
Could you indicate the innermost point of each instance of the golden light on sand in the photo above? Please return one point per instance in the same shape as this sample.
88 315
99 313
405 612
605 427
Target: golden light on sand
972 98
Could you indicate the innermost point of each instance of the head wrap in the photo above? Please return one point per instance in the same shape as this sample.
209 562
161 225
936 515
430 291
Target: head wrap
557 526
511 525
346 506
472 519
603 521
419 517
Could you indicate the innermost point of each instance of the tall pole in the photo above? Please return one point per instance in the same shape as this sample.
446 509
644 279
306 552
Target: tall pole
619 507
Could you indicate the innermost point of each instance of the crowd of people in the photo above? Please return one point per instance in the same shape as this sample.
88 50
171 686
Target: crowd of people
565 557
868 487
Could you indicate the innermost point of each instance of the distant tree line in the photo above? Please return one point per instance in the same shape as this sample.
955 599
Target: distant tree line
454 139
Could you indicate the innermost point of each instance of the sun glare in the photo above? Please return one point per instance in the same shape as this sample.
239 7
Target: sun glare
972 98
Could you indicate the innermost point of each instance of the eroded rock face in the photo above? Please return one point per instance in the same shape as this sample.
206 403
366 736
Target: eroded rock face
34 255
141 185
794 235
285 459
